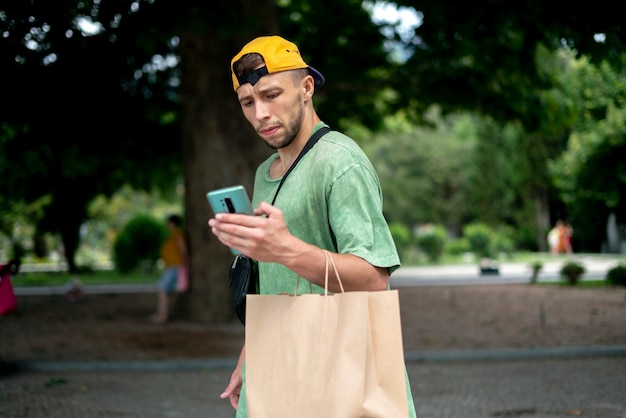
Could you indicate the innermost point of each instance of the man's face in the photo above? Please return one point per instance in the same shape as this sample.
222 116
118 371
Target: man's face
274 107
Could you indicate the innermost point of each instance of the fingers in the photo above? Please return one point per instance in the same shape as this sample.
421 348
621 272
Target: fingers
248 221
255 236
235 218
234 401
233 398
265 208
233 389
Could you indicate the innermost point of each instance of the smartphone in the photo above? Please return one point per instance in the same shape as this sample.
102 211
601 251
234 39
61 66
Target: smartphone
232 200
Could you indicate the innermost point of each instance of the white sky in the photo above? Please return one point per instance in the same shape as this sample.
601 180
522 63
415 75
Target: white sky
408 18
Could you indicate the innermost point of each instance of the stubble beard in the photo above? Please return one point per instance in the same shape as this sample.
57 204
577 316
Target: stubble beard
292 130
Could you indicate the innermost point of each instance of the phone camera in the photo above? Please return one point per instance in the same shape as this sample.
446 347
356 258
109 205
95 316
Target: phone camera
229 205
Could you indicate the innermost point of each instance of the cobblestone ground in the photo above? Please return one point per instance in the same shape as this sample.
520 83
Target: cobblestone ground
592 388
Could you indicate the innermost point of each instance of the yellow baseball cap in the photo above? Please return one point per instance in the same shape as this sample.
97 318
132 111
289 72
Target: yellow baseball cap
279 55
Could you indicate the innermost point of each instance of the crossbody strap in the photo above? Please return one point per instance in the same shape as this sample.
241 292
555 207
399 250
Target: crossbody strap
309 144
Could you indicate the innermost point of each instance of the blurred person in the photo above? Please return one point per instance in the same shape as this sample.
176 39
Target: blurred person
568 232
555 238
174 256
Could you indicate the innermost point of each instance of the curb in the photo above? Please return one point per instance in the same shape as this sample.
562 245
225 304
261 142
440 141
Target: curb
412 357
121 365
517 354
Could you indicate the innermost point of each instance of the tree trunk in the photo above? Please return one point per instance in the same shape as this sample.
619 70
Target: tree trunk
220 149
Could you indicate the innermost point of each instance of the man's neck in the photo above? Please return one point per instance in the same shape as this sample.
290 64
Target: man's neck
287 155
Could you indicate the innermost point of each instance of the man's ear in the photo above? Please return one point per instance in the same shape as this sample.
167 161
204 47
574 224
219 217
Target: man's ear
308 85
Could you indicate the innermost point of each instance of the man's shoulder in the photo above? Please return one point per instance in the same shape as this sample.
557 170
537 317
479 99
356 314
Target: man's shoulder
338 144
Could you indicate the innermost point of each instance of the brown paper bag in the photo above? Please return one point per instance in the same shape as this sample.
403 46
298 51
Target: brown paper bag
334 355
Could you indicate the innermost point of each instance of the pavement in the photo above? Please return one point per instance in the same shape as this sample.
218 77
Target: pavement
547 382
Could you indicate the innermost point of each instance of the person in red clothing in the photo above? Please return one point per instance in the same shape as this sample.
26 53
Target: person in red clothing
560 238
568 231
174 256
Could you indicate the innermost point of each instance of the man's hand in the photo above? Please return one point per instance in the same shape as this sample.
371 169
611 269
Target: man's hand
233 390
264 237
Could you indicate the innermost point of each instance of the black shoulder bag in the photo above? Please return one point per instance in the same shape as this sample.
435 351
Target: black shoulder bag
244 275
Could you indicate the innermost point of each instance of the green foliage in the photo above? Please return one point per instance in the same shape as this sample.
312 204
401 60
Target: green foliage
489 242
503 242
617 275
571 272
402 237
457 246
492 173
431 239
71 163
535 267
139 243
92 277
480 238
496 65
591 174
424 170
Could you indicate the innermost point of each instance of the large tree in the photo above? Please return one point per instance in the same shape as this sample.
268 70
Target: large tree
78 117
591 173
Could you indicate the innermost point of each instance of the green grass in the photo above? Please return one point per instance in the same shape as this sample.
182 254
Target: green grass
86 278
581 283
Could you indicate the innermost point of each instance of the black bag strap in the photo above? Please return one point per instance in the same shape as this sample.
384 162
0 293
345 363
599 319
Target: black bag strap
309 144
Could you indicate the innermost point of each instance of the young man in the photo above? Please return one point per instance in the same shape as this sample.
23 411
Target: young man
331 200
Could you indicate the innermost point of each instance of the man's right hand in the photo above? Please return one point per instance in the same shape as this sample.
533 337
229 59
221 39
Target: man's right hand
233 390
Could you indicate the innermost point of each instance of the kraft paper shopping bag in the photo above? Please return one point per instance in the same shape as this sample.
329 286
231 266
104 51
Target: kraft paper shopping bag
334 355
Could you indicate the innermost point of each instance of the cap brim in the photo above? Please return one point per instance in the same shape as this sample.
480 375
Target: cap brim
317 76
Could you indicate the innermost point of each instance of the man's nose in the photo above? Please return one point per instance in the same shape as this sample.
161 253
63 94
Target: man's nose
261 111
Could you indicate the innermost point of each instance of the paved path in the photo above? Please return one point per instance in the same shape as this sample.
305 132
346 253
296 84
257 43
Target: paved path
596 268
544 388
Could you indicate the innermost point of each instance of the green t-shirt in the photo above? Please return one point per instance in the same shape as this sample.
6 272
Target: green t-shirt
331 199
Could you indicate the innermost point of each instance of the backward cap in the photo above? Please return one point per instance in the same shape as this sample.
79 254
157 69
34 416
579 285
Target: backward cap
279 55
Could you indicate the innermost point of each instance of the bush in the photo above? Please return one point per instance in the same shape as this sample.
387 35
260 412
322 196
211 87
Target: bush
139 243
535 267
571 271
480 239
401 236
431 239
617 275
457 246
502 241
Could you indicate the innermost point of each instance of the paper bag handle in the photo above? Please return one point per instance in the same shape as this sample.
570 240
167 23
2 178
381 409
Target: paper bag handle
328 258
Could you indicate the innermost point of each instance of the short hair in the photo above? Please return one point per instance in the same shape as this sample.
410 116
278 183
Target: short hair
248 63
